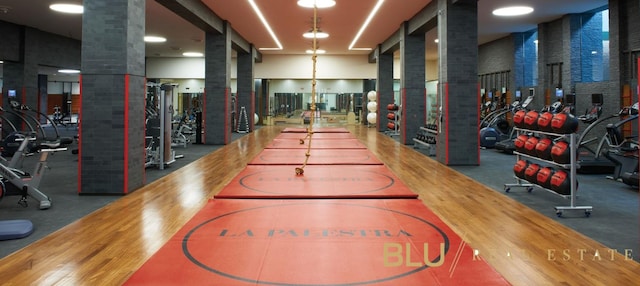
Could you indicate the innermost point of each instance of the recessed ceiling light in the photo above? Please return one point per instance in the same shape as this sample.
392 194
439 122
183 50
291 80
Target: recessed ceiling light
512 11
154 39
1 62
365 24
317 51
68 71
316 3
319 35
266 26
192 54
67 8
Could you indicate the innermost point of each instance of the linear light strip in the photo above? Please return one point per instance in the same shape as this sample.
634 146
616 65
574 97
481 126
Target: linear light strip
365 25
266 25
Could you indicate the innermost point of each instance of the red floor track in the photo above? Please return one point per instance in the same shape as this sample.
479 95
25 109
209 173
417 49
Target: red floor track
317 157
346 221
340 181
316 144
316 130
316 242
329 135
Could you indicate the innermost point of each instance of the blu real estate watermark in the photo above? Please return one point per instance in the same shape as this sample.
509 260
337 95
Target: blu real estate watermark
406 255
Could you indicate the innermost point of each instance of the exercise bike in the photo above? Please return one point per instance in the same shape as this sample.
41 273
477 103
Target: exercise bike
17 182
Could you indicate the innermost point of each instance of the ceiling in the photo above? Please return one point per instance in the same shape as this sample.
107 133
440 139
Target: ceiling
289 21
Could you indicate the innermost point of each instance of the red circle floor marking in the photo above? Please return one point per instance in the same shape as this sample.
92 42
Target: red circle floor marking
299 243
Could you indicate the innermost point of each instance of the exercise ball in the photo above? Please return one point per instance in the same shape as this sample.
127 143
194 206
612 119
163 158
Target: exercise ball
256 118
371 118
372 106
372 95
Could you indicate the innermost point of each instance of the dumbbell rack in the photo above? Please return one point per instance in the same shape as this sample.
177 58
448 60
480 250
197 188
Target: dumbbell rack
430 136
572 167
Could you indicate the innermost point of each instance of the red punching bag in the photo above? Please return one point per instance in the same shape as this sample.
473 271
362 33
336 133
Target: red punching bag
544 121
531 173
518 118
564 123
561 152
544 177
543 148
520 167
530 146
531 120
520 141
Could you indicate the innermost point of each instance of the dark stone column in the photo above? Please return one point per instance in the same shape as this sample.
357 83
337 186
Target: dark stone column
385 87
217 84
458 140
412 85
246 91
111 157
43 95
22 76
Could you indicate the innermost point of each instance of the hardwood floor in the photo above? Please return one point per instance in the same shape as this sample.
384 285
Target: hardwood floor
107 246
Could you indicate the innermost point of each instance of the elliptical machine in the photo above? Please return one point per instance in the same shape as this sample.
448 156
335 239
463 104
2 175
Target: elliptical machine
623 151
495 127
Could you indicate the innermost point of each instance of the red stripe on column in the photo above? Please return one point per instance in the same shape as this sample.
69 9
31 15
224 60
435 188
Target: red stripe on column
126 134
204 117
253 110
403 117
80 137
226 115
446 123
144 135
378 112
478 122
426 107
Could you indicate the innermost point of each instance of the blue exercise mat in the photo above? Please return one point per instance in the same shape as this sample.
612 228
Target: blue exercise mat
14 229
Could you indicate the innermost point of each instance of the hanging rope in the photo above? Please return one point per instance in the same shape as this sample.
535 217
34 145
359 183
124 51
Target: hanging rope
314 56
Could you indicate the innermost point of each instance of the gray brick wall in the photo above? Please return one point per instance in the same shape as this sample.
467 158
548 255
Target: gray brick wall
384 88
112 37
457 26
246 90
496 56
112 56
412 88
10 48
217 100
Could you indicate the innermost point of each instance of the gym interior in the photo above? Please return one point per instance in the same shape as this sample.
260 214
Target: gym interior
446 145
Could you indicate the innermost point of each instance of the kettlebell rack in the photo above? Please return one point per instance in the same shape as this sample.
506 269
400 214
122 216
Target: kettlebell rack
571 167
